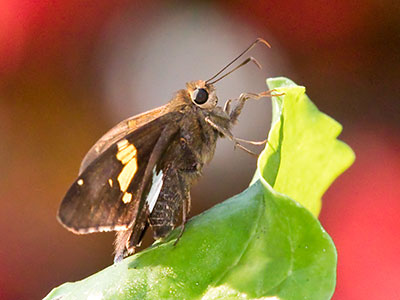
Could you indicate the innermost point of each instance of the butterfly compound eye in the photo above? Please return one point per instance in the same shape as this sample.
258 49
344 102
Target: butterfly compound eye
200 96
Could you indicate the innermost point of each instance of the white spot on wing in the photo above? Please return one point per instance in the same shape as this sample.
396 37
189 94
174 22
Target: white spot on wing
80 182
155 189
98 229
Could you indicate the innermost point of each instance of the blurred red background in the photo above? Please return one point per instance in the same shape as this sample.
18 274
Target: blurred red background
69 70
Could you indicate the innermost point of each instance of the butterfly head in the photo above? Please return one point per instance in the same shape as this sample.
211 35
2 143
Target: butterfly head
202 94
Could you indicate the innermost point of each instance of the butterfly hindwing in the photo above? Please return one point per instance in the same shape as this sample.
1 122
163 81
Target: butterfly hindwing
107 194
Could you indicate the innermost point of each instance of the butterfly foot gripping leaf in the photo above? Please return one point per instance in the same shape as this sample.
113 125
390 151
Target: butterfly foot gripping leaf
260 244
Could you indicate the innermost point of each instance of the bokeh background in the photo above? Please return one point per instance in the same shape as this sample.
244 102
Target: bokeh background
71 69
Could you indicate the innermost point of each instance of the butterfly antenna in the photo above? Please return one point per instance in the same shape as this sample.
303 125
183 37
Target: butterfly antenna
250 59
259 40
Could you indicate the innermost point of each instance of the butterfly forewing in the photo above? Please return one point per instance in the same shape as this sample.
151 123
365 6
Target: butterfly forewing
106 197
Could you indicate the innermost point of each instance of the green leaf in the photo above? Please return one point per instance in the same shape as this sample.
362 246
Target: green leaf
259 244
256 244
303 157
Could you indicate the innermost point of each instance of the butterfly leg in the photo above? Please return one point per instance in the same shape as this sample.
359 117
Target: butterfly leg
227 106
185 212
235 111
226 133
256 143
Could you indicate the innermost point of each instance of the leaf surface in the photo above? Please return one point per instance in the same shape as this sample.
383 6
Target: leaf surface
303 157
